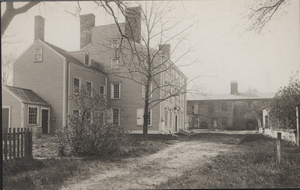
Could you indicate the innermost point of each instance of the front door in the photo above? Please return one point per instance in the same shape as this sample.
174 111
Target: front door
5 118
44 121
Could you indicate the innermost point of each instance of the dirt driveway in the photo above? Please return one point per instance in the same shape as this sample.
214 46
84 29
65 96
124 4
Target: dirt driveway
148 171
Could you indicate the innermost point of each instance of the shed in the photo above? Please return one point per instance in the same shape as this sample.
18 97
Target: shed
24 108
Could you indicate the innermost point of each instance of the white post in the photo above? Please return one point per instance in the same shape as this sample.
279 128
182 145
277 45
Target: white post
298 123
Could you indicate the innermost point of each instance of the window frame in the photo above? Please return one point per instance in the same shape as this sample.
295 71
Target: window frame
111 63
41 53
119 115
74 85
104 90
223 120
91 92
113 90
211 106
224 106
114 45
37 115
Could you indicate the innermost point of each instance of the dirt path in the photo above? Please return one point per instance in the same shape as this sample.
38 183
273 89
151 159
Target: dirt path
148 171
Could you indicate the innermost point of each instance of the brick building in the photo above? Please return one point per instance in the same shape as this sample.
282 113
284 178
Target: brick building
224 111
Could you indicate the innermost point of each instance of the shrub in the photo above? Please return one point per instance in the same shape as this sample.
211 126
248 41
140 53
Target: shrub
282 107
90 130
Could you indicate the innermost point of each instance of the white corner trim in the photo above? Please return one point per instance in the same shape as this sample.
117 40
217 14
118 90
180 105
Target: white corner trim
64 116
9 115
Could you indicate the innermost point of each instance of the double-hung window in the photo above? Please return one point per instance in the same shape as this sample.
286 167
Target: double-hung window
140 118
76 84
224 106
102 89
116 90
116 116
89 88
32 115
114 63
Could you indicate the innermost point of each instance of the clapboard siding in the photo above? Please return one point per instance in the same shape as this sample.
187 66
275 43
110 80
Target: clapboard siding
15 108
45 78
85 75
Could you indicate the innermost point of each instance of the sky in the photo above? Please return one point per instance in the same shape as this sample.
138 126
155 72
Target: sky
224 48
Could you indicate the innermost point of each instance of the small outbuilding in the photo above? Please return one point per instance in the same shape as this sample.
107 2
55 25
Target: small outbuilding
23 108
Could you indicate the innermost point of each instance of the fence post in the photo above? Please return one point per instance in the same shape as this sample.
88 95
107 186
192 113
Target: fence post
25 142
30 143
298 124
9 142
278 153
22 143
18 142
5 143
14 142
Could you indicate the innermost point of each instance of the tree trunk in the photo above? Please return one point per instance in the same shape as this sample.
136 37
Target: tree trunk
11 12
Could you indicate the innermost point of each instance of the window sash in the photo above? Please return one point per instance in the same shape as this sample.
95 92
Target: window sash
76 84
102 89
89 88
116 117
116 91
32 115
114 63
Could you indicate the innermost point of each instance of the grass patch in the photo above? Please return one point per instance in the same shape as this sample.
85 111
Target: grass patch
52 173
251 165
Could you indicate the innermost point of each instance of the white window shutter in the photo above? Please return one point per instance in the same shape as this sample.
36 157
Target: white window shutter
139 116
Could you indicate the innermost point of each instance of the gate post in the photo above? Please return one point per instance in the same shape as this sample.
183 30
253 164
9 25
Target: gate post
278 153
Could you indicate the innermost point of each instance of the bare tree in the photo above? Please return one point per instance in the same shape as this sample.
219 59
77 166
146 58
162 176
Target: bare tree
7 67
143 55
262 15
11 12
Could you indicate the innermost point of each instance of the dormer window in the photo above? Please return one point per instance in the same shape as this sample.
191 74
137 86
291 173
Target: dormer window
86 59
38 54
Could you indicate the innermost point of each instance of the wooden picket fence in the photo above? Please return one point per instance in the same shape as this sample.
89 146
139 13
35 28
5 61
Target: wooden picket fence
16 143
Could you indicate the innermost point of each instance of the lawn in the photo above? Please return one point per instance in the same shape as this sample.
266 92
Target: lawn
52 173
251 165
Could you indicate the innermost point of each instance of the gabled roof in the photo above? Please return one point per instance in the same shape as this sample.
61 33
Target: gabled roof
69 57
239 96
63 52
26 95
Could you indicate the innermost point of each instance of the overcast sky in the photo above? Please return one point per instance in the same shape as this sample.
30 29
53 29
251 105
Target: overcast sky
225 48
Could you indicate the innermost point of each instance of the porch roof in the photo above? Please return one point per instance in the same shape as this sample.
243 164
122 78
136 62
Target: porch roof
26 95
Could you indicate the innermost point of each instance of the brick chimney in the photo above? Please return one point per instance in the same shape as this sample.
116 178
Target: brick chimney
166 48
39 27
87 22
133 24
234 87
